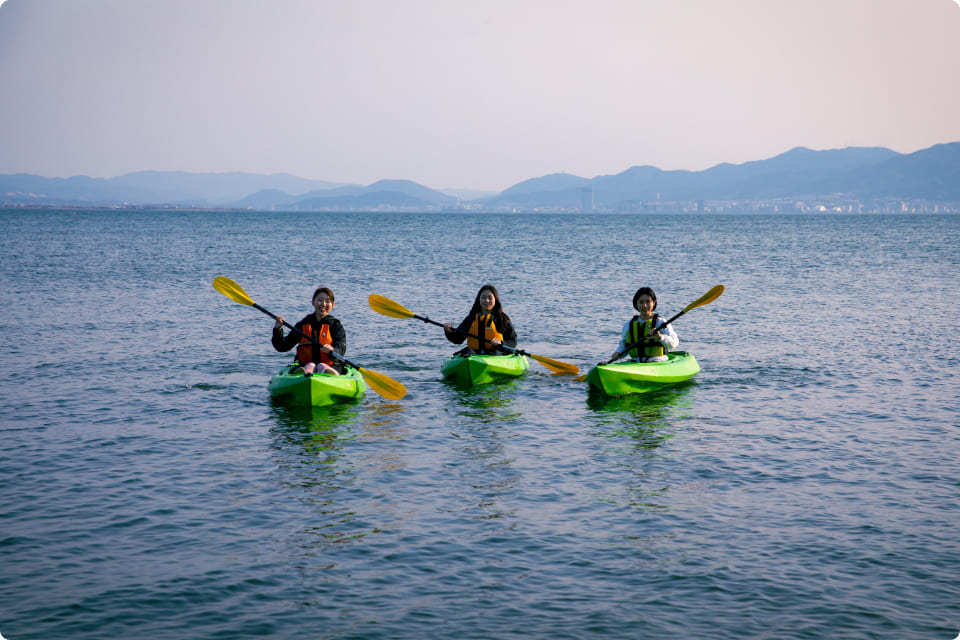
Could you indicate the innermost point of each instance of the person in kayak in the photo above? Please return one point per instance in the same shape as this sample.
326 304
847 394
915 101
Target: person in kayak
321 326
660 340
486 319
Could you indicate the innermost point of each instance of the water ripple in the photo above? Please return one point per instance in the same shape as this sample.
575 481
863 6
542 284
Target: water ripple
800 487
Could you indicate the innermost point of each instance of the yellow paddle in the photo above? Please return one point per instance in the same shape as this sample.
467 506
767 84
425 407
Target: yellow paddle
388 307
382 384
706 298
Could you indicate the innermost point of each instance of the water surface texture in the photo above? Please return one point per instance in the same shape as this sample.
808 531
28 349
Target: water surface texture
804 485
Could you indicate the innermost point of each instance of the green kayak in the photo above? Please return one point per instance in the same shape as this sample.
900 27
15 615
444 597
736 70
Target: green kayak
480 369
640 377
317 390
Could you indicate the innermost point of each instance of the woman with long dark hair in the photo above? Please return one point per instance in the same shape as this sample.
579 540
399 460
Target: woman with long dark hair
486 320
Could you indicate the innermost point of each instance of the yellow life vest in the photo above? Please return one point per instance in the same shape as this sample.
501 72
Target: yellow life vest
639 328
489 332
305 348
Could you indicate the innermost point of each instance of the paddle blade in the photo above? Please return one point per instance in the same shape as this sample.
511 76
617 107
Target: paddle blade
387 307
232 290
384 385
555 365
706 298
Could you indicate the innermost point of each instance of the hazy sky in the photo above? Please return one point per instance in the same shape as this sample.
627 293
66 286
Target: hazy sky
478 94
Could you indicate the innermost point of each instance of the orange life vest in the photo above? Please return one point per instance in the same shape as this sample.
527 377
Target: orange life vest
305 348
489 332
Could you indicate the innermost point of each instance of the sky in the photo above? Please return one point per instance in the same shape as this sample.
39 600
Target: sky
456 94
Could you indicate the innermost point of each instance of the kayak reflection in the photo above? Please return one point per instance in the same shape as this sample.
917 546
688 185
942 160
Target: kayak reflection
649 419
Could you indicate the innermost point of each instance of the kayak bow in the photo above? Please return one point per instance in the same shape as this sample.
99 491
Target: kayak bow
642 377
321 389
481 369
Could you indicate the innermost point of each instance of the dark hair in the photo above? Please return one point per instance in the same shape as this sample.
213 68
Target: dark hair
640 292
322 290
497 308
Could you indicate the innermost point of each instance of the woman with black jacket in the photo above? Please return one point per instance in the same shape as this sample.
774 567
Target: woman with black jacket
325 336
486 320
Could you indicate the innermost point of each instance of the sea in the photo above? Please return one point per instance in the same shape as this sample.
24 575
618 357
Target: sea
805 484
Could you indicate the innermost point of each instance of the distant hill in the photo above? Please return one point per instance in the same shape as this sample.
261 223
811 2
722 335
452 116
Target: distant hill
546 184
798 172
930 174
468 194
215 188
363 201
266 199
149 188
864 173
391 194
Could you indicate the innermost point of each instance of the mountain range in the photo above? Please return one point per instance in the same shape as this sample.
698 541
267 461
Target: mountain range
862 173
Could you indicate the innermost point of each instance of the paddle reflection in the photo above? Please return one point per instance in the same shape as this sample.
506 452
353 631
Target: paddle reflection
383 419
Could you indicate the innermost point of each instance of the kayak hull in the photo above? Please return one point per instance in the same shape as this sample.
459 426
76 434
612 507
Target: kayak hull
643 377
317 390
482 369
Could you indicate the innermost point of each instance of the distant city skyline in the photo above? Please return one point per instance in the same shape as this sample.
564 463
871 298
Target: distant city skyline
464 95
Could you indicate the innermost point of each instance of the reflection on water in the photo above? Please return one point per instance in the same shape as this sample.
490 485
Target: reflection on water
309 445
488 403
635 427
648 406
648 419
484 466
322 454
384 420
317 430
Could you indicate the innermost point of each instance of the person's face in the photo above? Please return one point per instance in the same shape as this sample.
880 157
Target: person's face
487 300
322 304
645 305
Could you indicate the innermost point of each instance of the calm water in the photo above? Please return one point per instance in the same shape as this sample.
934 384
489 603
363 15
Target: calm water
805 485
